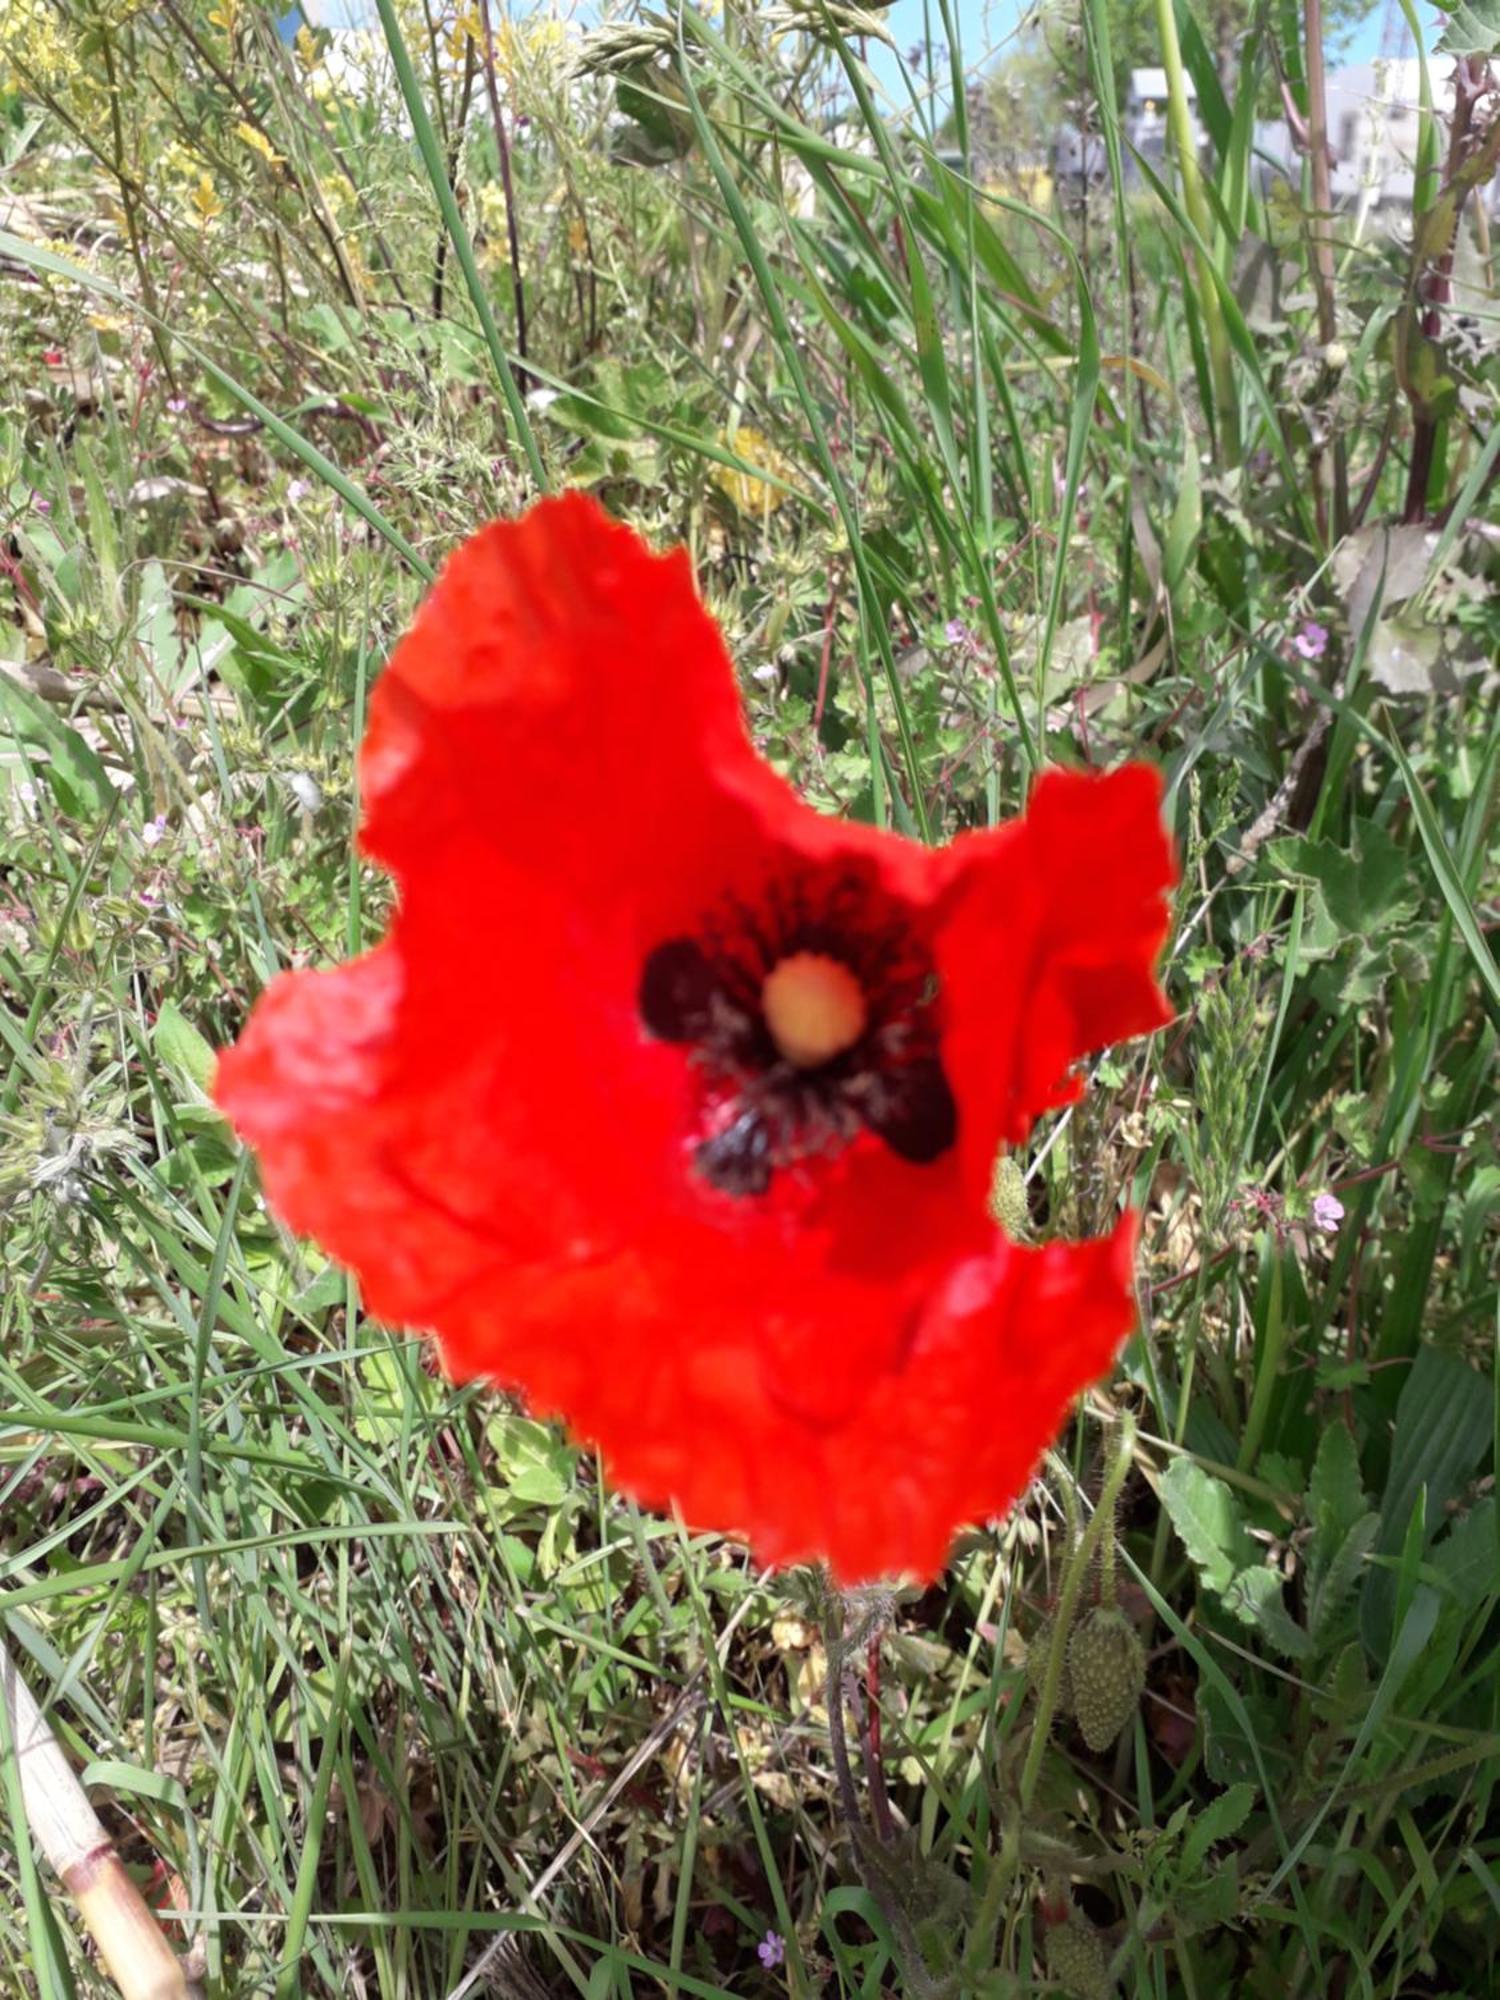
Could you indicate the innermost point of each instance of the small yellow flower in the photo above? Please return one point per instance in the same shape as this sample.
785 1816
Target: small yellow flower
258 143
749 494
467 27
205 199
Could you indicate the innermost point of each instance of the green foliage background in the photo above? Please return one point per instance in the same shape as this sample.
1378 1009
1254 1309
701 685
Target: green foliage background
376 1684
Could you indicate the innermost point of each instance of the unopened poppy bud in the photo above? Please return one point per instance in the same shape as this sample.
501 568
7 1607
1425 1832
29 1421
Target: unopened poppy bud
1077 1961
1008 1204
1108 1666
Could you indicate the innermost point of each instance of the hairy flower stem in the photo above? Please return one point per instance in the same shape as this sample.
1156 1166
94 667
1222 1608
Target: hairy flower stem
1102 1523
919 1980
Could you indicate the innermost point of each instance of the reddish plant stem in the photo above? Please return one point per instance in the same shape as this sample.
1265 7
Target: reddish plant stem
880 1804
1330 475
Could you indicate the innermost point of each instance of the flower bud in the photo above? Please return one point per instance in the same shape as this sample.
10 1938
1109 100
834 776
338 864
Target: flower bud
1108 1666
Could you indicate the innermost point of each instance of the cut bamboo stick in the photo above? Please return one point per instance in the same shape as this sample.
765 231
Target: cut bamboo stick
68 1831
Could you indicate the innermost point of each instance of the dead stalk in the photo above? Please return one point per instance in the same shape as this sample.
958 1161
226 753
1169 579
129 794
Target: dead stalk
68 1831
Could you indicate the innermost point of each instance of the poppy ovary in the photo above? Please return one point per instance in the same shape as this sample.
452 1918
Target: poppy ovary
814 1008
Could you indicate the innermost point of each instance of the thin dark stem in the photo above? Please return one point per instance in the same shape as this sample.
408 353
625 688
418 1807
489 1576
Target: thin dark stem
507 187
455 146
919 1980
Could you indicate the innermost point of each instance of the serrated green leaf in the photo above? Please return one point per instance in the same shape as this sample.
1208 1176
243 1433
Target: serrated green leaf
1335 1578
1335 1493
1255 1597
1220 1819
1208 1522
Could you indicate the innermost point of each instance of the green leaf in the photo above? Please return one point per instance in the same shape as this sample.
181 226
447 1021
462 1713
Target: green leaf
79 781
380 1414
1207 1519
535 1465
1443 1424
1466 1558
1363 887
1473 29
1334 1579
180 1048
1255 1598
1335 1492
1220 1819
1230 1745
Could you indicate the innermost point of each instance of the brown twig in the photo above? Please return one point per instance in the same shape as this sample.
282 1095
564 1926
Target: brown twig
455 148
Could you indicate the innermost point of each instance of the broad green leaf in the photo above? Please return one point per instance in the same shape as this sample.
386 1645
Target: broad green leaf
535 1465
1473 29
180 1047
78 779
1466 1558
1207 1519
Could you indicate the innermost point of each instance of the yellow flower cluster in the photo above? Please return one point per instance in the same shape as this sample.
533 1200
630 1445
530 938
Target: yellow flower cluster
33 47
749 494
518 45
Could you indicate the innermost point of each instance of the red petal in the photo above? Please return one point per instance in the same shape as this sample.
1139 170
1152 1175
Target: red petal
1054 927
475 1120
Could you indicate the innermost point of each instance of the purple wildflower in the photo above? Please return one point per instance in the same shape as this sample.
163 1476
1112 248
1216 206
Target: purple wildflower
1312 640
154 831
1327 1213
771 1951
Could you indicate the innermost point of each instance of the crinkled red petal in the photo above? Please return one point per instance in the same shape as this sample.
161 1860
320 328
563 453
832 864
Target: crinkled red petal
473 1118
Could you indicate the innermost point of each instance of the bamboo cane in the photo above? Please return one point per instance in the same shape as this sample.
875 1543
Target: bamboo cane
68 1831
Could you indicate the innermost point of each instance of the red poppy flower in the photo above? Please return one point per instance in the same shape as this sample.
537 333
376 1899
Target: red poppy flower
674 1104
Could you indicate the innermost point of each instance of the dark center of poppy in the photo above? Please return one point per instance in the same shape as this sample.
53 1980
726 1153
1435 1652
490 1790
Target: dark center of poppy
812 1015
